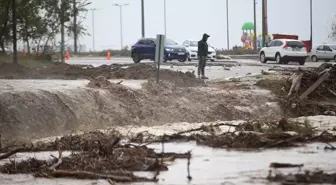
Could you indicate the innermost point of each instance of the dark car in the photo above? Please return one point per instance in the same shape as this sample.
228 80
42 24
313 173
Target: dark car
145 49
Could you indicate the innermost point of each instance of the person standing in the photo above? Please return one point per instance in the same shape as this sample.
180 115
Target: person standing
202 56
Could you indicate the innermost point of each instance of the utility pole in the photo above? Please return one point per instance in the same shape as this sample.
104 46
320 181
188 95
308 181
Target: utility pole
142 18
311 23
227 25
121 30
15 58
93 28
62 30
75 25
263 22
165 17
255 27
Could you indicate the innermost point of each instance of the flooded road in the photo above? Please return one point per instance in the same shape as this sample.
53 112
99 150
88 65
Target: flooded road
210 166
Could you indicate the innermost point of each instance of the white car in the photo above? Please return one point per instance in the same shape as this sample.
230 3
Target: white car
284 50
324 52
192 48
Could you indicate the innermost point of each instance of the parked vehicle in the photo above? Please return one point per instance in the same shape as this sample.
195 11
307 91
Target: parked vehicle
192 48
284 50
324 52
145 49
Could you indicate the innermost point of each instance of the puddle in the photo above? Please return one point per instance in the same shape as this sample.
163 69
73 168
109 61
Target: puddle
219 72
211 166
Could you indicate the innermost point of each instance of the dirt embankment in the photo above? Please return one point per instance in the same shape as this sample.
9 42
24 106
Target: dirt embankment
42 113
66 71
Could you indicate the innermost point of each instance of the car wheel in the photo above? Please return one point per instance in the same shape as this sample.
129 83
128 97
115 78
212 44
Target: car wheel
183 60
189 59
136 57
263 58
314 58
212 60
278 58
302 62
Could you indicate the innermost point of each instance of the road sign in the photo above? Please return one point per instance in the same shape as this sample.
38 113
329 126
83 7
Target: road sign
159 53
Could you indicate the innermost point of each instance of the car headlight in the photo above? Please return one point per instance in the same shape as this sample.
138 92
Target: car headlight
169 49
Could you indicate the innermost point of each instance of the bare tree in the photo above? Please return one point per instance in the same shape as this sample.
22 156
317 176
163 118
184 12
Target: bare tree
333 29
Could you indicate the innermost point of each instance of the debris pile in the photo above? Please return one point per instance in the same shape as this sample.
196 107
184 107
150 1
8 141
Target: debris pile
95 155
308 177
253 135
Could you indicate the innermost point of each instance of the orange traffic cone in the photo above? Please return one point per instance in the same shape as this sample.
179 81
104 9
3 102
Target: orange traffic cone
67 56
108 55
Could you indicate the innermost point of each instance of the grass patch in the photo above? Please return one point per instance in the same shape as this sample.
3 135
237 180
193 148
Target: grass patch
30 62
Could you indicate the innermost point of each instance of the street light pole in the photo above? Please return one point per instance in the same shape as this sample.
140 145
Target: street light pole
121 30
165 17
227 25
311 23
142 18
255 27
93 28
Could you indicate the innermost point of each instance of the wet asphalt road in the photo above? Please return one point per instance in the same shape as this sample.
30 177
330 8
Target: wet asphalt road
97 61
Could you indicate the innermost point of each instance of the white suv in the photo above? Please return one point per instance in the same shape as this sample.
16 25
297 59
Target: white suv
284 50
192 47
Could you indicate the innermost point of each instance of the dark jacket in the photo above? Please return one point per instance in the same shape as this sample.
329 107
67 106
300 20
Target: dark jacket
203 47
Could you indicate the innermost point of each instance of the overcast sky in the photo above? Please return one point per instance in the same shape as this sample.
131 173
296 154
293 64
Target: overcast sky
189 19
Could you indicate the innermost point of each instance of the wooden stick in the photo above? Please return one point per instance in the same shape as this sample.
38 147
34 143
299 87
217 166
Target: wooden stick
296 83
324 77
89 175
10 153
202 128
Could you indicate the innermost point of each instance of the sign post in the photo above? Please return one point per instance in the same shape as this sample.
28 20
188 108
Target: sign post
159 53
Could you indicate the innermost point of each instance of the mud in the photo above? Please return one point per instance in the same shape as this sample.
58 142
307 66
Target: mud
66 71
41 113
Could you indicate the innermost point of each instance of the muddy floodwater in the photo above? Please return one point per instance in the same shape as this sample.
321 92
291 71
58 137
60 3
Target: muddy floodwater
208 166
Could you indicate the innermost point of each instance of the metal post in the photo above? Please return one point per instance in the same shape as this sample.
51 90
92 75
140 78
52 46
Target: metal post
121 30
311 23
62 31
227 25
15 58
165 17
255 27
93 30
75 26
263 23
142 18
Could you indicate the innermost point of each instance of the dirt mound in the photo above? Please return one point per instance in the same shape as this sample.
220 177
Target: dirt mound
9 70
66 71
145 71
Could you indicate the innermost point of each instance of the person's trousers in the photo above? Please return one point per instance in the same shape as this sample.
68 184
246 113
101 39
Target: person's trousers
201 65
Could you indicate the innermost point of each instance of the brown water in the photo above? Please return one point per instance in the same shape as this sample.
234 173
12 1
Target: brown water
209 166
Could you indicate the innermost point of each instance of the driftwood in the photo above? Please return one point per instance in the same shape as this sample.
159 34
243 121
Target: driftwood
10 153
285 165
89 175
203 128
324 77
59 161
296 83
